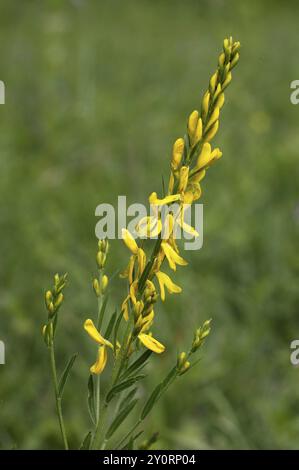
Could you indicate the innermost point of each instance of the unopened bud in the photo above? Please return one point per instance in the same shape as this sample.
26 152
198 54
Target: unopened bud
185 368
101 259
104 283
96 287
182 357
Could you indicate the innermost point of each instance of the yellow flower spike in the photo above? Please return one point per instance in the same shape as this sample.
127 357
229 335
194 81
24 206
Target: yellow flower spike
212 132
101 361
129 241
95 334
177 153
154 200
173 258
183 181
205 104
151 343
149 226
214 117
165 281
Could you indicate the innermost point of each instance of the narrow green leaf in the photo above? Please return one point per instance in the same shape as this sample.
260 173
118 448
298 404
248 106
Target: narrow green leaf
151 401
86 441
102 312
122 386
126 447
90 399
65 374
157 392
139 362
127 398
120 418
110 326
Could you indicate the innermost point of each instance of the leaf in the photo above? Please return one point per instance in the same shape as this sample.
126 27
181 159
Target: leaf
86 441
131 441
90 399
151 401
120 418
139 362
157 392
102 312
122 386
127 398
65 374
110 326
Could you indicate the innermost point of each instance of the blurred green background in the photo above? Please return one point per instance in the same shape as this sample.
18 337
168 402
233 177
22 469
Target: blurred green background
96 92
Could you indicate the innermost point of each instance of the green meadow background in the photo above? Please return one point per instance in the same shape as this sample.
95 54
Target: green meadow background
96 93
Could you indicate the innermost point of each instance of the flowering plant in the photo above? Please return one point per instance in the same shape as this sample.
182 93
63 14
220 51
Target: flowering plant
128 342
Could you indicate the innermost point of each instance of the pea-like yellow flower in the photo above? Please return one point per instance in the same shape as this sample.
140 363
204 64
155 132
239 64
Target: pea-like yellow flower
100 364
151 343
173 258
129 241
149 226
207 156
177 153
155 201
165 281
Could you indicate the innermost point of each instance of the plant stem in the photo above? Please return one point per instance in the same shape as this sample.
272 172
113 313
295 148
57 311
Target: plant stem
57 397
128 433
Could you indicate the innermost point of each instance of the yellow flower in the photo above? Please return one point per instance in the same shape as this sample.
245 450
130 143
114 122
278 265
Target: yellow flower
154 200
165 281
194 128
99 365
151 343
129 241
207 157
173 258
183 181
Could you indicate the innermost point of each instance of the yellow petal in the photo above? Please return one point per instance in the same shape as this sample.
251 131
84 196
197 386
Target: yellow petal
101 361
212 132
151 343
204 156
172 257
192 124
95 334
153 199
125 308
129 241
164 280
177 153
197 176
147 322
149 227
187 228
184 173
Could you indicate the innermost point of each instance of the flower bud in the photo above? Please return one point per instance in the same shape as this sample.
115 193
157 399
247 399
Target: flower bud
96 287
185 368
104 283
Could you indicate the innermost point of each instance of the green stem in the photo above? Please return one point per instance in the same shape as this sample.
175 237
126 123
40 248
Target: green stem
128 434
57 397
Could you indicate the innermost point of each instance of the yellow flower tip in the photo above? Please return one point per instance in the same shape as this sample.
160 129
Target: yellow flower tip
212 132
100 364
173 258
151 343
129 241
